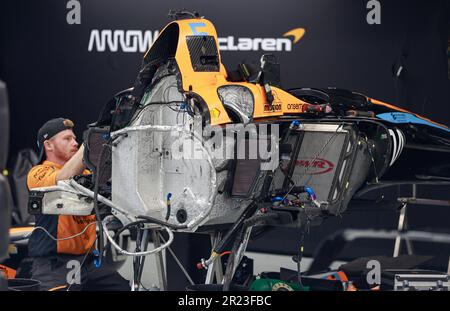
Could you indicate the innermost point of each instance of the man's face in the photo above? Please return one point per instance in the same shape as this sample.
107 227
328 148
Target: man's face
62 146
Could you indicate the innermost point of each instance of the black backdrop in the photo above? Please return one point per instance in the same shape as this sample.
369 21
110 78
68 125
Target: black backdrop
50 72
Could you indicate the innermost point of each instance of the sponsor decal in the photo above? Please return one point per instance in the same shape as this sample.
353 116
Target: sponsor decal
276 104
315 166
294 106
194 27
272 108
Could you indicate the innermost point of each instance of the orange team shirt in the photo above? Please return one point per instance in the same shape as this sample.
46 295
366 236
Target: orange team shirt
44 175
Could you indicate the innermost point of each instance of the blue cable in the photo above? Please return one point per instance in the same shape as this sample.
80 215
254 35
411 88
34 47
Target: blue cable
97 260
295 123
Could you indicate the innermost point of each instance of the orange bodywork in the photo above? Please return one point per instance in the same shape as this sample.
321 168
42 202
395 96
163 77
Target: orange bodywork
205 84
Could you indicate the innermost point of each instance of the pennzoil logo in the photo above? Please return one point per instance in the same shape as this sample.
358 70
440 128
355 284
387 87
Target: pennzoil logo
315 166
132 41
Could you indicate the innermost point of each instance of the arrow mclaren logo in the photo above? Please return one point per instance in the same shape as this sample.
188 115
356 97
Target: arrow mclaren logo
232 43
132 41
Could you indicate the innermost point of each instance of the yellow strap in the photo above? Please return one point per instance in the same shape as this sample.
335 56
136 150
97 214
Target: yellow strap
57 288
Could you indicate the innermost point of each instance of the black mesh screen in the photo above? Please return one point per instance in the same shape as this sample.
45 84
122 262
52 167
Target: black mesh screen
244 177
203 52
98 156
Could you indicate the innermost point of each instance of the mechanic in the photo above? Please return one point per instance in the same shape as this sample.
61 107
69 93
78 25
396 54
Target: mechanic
63 254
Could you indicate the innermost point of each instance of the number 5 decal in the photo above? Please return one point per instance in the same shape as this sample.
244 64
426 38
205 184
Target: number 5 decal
194 27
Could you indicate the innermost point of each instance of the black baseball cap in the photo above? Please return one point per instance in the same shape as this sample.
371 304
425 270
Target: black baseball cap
50 129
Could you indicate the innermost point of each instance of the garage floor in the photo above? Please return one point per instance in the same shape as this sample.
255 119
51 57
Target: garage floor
262 262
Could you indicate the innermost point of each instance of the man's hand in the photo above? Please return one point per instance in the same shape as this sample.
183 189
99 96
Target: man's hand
74 166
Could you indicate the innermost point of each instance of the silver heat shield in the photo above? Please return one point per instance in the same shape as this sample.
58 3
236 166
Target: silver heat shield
160 155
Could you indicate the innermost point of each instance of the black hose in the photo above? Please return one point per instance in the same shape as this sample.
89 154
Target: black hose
257 219
162 223
229 273
136 260
147 220
299 259
250 210
127 226
97 212
293 190
304 228
228 277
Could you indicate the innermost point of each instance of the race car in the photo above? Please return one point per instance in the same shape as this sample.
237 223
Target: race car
194 145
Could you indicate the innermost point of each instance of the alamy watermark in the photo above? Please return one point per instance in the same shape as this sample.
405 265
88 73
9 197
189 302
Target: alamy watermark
373 277
373 17
73 16
232 141
74 274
